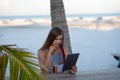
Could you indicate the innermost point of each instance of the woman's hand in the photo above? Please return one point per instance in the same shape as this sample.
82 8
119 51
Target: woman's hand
51 49
73 70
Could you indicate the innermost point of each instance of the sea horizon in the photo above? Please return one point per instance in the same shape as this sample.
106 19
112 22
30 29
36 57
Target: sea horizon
67 15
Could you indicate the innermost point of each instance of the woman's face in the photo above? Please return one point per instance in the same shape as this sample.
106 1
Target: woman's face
57 41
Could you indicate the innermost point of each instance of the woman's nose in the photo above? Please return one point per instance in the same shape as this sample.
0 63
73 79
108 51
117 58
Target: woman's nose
59 41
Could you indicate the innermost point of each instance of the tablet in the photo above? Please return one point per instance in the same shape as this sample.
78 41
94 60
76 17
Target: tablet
70 61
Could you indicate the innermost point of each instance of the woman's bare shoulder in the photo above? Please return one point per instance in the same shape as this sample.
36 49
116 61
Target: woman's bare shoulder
40 52
66 50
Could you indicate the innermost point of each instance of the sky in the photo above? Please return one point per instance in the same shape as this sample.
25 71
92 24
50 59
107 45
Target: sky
42 7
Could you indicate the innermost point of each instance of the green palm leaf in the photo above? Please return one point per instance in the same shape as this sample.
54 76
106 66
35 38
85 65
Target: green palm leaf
23 64
3 65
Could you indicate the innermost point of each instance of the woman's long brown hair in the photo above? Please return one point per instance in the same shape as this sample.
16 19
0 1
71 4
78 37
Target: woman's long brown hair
54 32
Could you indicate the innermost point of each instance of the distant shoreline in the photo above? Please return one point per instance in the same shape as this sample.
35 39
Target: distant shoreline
102 23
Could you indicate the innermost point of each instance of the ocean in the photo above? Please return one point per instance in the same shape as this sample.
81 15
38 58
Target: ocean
95 46
67 15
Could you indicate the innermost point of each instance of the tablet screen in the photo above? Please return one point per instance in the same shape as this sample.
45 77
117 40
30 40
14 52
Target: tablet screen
70 61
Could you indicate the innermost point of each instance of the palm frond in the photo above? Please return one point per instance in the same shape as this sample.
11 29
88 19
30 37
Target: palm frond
23 64
3 65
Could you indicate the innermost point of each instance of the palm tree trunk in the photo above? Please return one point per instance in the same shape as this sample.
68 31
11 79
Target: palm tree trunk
58 19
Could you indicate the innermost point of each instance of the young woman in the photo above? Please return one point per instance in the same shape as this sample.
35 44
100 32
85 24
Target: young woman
53 53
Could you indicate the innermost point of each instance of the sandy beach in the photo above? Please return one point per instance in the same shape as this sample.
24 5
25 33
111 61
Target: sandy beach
100 23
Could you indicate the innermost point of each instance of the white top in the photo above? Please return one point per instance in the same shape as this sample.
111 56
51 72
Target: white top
57 60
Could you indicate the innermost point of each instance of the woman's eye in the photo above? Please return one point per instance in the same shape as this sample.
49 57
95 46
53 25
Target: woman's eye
56 39
60 39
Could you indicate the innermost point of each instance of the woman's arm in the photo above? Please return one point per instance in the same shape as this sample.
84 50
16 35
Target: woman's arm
45 62
45 59
74 68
